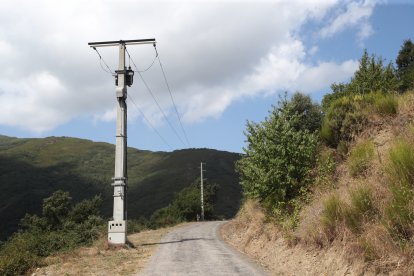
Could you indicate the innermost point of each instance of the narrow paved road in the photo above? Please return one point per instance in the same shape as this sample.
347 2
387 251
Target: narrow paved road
197 249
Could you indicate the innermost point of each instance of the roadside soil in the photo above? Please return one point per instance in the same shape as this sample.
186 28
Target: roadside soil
102 260
264 243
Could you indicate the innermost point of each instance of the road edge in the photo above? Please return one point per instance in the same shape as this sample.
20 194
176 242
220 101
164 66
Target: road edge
253 262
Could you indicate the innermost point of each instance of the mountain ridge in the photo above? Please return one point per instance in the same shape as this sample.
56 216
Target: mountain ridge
33 168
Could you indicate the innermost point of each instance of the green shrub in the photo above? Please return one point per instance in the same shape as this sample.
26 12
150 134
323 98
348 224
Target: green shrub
17 254
348 115
186 206
325 166
345 118
386 104
138 225
279 159
360 157
327 133
61 227
342 149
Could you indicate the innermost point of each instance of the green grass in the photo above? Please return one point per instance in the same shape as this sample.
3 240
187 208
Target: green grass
337 213
361 208
402 162
332 214
362 201
400 211
360 158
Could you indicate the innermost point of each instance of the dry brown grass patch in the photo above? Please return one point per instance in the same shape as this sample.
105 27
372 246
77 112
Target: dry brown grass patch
102 259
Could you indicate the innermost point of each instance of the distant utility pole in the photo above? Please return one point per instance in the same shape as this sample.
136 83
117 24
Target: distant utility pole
117 228
202 191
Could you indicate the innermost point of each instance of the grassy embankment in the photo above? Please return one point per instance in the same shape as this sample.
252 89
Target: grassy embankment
359 215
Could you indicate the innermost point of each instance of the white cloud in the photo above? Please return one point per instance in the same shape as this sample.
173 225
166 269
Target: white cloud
31 103
283 68
356 14
214 53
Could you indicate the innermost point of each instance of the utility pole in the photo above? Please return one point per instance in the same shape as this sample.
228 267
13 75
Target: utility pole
202 191
117 227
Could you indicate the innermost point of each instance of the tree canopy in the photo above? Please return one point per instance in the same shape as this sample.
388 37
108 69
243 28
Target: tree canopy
280 153
405 65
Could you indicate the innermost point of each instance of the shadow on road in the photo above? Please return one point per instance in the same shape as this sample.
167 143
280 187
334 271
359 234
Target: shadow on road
177 241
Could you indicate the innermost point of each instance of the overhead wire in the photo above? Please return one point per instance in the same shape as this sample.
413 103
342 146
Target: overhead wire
102 60
154 98
148 121
172 98
108 70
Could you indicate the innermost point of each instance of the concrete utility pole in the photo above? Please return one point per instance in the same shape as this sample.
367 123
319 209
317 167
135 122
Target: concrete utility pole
117 228
202 191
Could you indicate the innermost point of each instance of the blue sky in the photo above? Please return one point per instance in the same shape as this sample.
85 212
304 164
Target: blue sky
226 62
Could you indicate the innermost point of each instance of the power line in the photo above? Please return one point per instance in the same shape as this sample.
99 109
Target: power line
153 97
172 99
149 67
102 60
149 122
108 70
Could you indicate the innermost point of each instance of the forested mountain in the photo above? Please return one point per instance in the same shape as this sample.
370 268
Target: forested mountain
32 169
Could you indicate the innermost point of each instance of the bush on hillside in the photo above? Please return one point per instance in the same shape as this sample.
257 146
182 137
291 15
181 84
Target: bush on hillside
348 116
325 167
279 157
371 76
62 226
186 206
345 118
386 104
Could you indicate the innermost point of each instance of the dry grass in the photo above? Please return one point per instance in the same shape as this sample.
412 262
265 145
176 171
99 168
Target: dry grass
366 236
101 260
263 241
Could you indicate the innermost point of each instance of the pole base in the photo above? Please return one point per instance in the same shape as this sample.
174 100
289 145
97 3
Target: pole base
117 231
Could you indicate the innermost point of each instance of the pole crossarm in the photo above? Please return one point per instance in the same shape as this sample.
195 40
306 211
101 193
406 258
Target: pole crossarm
122 42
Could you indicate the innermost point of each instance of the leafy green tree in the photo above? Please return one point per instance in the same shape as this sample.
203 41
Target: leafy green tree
405 65
84 209
279 157
338 91
310 113
390 78
186 206
371 76
56 208
360 81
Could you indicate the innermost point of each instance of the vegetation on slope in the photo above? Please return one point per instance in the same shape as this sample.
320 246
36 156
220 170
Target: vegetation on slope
357 190
61 226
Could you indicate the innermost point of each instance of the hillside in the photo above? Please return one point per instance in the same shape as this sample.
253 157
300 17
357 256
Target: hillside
358 216
32 169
